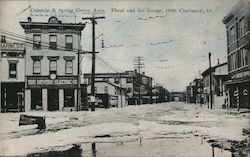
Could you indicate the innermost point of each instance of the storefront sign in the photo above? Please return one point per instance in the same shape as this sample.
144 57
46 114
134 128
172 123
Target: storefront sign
47 82
12 46
241 75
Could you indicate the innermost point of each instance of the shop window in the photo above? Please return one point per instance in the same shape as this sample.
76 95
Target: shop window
12 70
37 41
69 42
69 67
53 42
36 67
69 98
52 66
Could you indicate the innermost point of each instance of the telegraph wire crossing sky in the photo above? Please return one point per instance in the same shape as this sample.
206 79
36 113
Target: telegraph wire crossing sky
179 32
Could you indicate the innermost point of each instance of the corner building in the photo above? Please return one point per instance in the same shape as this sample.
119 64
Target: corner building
51 64
237 23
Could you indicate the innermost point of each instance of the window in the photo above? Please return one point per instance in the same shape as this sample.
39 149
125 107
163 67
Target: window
12 70
69 42
69 98
68 67
245 59
105 79
245 27
36 67
241 27
117 80
53 42
128 80
106 89
232 35
52 67
37 41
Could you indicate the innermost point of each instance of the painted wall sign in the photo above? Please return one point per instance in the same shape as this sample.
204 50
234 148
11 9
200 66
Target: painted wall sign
46 81
12 46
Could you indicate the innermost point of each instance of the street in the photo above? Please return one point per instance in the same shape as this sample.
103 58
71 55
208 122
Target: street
171 129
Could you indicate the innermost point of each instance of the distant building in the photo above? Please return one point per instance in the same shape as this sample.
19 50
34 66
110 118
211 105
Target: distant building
109 94
178 96
12 63
129 81
219 77
194 92
237 23
51 64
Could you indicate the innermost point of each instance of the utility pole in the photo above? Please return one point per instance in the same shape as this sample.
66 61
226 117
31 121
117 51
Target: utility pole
210 82
138 65
200 86
93 20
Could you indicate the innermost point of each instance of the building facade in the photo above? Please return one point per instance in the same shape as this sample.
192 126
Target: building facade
237 23
51 67
128 80
194 92
12 61
219 75
109 94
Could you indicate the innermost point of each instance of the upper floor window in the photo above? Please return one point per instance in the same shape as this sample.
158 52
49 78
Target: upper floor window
12 70
105 79
37 41
106 89
68 67
53 42
69 42
36 67
117 80
52 66
232 35
241 27
128 80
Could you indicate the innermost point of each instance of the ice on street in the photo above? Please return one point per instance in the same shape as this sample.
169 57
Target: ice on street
176 127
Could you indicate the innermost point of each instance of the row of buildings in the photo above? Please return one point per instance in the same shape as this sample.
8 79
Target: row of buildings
40 71
230 81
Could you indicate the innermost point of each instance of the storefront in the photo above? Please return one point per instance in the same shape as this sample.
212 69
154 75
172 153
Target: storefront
51 93
12 95
239 93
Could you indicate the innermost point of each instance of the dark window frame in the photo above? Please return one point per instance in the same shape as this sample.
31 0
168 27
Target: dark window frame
68 45
12 65
53 45
37 45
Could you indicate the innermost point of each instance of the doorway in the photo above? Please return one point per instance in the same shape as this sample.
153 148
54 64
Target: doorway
53 99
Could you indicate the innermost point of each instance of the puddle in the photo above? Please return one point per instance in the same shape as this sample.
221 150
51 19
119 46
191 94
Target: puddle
167 147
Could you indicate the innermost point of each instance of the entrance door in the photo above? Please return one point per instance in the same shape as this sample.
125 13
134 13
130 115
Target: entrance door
53 99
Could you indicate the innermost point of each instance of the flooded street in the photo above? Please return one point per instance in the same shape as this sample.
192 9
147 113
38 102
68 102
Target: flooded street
167 129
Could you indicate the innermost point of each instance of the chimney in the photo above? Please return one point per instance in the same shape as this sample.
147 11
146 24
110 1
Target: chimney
3 40
29 19
218 61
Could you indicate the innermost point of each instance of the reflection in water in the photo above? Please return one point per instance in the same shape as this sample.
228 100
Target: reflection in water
75 151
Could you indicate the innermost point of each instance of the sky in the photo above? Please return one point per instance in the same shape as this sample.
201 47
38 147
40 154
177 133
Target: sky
173 36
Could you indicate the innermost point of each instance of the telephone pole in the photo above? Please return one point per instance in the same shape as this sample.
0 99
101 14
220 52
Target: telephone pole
93 20
210 82
138 64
